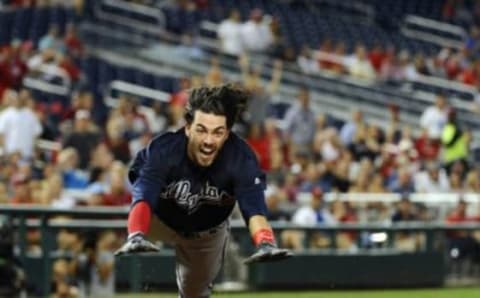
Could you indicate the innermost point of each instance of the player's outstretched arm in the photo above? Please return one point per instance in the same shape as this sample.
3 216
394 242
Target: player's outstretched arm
138 225
264 240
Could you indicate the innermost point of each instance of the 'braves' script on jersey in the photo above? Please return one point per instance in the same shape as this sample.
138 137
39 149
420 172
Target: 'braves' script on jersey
180 191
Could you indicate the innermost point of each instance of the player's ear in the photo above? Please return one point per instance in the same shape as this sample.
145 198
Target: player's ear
187 130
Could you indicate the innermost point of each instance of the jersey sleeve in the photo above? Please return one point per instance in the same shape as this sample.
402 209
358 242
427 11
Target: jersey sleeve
150 168
249 188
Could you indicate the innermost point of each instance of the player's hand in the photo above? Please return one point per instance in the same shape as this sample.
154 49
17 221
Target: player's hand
268 252
136 243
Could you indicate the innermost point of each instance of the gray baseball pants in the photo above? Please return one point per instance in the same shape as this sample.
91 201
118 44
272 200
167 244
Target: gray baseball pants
199 257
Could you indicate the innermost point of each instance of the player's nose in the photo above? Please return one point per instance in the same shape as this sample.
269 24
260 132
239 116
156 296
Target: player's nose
208 140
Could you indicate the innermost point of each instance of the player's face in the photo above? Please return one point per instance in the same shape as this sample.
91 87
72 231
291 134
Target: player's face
206 135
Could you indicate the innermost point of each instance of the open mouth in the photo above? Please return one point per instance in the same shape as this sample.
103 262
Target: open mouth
207 151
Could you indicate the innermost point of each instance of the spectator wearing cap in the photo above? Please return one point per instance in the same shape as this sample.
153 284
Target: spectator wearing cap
256 34
84 137
19 126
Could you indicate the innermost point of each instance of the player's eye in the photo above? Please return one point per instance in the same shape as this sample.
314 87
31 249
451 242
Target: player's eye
218 133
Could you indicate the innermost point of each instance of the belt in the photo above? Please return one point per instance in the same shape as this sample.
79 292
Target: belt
201 234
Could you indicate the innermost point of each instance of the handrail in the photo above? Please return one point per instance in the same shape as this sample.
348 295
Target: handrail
394 197
238 225
41 85
443 83
431 38
429 25
437 25
133 89
133 7
359 6
97 211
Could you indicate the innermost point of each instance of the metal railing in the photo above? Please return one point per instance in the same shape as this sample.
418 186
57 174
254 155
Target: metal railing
132 89
433 31
132 8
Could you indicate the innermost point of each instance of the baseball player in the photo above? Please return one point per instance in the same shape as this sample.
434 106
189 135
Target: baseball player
190 180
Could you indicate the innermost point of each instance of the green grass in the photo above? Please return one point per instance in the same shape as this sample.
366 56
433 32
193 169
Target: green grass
423 293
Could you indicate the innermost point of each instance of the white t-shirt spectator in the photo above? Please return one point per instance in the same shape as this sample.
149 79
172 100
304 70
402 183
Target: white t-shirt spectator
19 128
256 37
433 119
424 182
230 36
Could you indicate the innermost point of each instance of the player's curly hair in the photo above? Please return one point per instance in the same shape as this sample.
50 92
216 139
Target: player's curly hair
226 100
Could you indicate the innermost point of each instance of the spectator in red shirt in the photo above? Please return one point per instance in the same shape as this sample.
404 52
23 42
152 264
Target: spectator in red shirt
118 195
461 243
376 57
72 42
427 148
260 144
66 63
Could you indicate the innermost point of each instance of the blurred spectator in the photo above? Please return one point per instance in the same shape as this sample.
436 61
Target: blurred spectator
359 66
52 40
309 215
12 66
341 213
67 163
472 181
19 126
405 240
257 109
455 141
305 61
401 182
349 129
21 191
300 122
157 117
118 195
274 199
68 65
229 33
103 274
433 179
84 138
114 138
434 118
427 148
74 45
376 57
260 143
214 75
65 285
189 47
256 34
461 244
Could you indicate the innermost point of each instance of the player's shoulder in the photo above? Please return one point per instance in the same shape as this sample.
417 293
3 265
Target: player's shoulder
238 149
167 143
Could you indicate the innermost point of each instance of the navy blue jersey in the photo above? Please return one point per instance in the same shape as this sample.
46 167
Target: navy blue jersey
187 197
